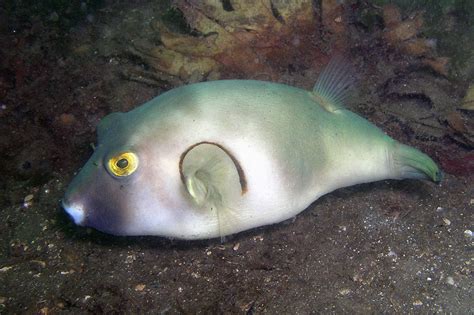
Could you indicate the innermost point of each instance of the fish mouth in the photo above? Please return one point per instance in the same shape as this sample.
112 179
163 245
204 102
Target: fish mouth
75 211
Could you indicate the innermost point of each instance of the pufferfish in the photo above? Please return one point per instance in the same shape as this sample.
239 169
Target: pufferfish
215 158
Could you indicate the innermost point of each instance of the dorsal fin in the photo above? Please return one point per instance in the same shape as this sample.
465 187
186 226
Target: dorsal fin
334 85
214 180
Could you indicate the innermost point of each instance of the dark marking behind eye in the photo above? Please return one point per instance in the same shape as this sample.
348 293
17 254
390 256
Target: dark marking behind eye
240 171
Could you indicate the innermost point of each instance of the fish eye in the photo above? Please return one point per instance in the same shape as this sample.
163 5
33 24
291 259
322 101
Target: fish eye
123 164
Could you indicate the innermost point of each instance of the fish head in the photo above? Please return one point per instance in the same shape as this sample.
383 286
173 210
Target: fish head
111 193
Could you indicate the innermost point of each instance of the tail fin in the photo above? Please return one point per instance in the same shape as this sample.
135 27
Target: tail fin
409 162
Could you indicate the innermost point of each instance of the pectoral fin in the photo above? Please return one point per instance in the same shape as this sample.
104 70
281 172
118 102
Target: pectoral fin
214 180
197 188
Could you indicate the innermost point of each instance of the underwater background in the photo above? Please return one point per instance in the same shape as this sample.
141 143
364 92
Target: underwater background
386 247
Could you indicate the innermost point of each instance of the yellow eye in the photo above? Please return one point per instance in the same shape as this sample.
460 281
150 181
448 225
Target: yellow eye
123 164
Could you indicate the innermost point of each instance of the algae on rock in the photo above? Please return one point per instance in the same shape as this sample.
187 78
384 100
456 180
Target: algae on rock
251 38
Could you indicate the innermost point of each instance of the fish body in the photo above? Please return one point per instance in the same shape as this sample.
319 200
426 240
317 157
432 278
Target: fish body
216 158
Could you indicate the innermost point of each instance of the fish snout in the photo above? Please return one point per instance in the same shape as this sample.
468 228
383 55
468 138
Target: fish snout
98 204
75 210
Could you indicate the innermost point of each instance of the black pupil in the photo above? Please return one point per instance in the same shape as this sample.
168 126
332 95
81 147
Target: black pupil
122 163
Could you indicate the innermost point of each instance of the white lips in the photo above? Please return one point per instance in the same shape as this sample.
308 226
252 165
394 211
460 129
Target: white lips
76 212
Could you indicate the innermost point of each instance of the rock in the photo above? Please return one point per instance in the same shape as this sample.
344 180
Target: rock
439 64
66 120
6 268
450 280
28 198
345 291
28 201
418 46
456 122
332 15
446 221
405 30
403 35
251 38
391 15
417 303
